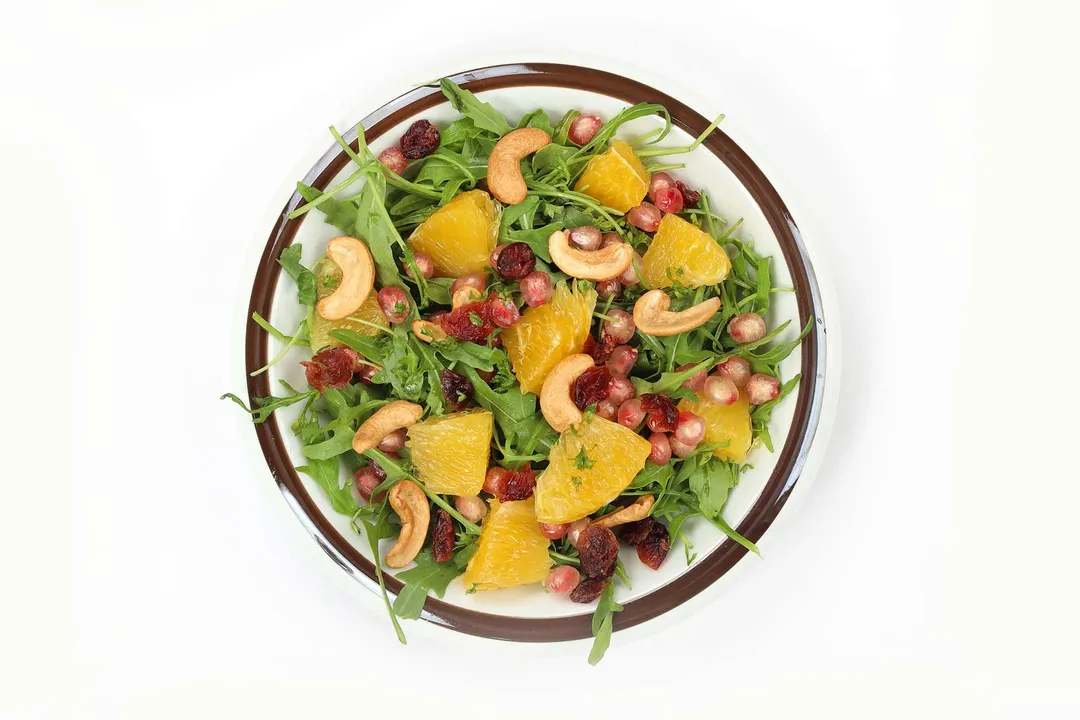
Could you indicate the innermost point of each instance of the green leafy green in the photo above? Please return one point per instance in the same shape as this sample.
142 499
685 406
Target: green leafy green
711 483
375 531
602 624
427 576
265 407
483 115
339 213
327 473
304 278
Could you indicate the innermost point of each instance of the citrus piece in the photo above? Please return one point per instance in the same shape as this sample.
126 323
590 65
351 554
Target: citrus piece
616 179
459 236
511 550
577 484
545 335
730 423
328 276
691 255
450 453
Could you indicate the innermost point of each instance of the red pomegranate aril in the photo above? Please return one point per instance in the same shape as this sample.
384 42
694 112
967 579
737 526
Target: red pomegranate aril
476 281
659 181
745 328
495 480
554 531
394 303
504 313
367 372
680 448
630 275
696 381
583 129
720 390
691 428
393 442
735 369
607 410
645 216
536 288
631 414
762 388
394 160
515 261
608 288
364 483
562 579
471 507
586 237
575 530
493 258
620 325
610 238
423 263
660 454
620 389
669 200
622 359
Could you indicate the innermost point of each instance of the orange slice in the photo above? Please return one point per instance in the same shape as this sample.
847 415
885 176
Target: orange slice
545 335
460 235
616 179
511 551
450 453
691 255
729 423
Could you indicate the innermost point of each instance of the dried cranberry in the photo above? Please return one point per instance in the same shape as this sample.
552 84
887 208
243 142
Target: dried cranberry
663 415
602 350
420 140
633 533
470 322
690 197
456 388
330 368
655 546
519 485
442 536
515 261
588 590
591 386
599 549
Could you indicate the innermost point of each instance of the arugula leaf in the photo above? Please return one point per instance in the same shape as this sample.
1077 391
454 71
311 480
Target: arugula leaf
428 575
776 353
537 119
762 414
670 382
373 222
304 278
734 534
711 483
339 213
515 213
327 473
602 624
264 407
463 555
480 357
483 115
537 239
653 475
377 531
455 134
562 129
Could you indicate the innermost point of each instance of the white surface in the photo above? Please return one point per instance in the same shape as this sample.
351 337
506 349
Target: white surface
927 149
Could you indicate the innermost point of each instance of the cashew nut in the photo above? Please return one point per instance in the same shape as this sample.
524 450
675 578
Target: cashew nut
428 331
504 178
411 505
631 513
464 296
357 278
601 264
555 402
385 420
652 317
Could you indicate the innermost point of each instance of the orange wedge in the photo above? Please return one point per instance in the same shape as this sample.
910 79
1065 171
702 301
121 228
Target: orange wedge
616 179
450 453
460 235
691 255
511 551
547 334
729 423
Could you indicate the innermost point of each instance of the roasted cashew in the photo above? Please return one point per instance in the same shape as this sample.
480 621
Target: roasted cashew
385 420
631 513
411 505
504 178
601 264
357 278
555 402
464 296
428 331
652 317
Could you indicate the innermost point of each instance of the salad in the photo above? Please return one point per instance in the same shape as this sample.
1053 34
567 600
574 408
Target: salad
531 344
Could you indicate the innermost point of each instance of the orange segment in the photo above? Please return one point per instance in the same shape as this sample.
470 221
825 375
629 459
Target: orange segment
460 235
616 179
729 423
450 453
575 485
328 275
692 255
547 334
511 550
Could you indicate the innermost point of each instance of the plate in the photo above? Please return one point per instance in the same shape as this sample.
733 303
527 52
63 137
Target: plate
738 187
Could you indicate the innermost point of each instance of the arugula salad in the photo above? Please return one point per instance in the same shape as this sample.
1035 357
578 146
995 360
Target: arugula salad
532 344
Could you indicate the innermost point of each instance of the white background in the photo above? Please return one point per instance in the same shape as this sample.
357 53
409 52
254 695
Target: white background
927 150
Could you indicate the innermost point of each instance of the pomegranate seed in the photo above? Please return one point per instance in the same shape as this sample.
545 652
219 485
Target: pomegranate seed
607 410
620 389
669 200
394 160
394 303
476 281
622 359
609 238
495 480
721 391
696 381
620 327
424 263
393 442
645 216
586 237
630 275
630 414
583 128
554 531
364 483
471 507
367 372
504 313
680 448
536 288
575 530
562 579
762 388
608 288
735 369
748 327
493 258
691 428
660 453
659 181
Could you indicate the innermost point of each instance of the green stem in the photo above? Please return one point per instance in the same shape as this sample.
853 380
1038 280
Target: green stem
565 559
328 194
261 322
288 346
471 527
